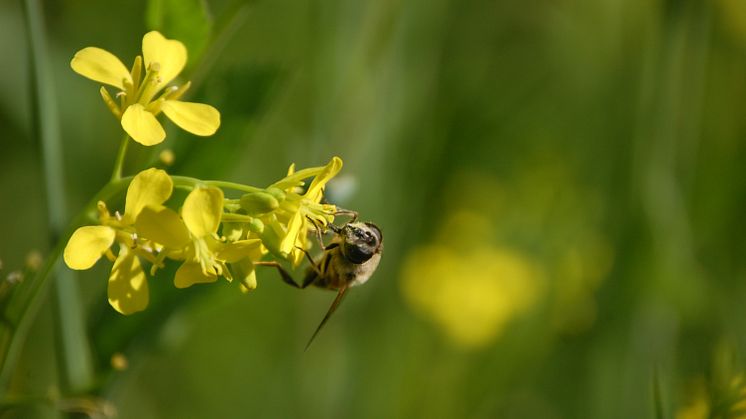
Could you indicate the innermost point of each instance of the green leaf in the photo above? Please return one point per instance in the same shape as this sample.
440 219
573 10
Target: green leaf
189 21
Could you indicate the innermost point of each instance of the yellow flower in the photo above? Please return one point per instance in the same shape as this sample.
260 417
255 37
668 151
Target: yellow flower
128 288
287 226
707 399
472 296
138 105
474 289
192 237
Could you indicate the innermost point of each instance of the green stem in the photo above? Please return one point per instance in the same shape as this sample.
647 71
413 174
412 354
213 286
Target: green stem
657 398
231 185
180 181
75 357
21 311
116 174
185 182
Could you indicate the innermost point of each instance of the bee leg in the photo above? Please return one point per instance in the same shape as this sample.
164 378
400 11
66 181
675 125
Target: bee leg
349 213
310 260
284 274
318 232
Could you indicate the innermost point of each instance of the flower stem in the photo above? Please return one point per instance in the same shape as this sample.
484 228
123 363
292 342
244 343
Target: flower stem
231 185
180 181
116 174
21 310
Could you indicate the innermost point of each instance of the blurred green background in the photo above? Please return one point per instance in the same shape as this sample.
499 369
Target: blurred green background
560 184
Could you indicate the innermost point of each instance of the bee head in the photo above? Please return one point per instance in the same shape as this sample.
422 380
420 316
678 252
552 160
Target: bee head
360 241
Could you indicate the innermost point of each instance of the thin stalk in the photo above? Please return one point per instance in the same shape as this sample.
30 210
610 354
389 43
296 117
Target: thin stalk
181 181
116 174
231 185
77 367
657 395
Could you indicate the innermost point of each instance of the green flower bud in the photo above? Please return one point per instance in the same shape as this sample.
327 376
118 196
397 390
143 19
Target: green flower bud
258 203
279 194
256 226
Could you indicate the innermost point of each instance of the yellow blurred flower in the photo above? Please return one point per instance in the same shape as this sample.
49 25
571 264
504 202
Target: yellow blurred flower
542 204
138 105
733 16
715 400
128 288
474 292
698 408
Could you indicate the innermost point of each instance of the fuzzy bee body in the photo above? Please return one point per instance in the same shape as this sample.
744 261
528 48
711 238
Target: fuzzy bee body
335 269
348 261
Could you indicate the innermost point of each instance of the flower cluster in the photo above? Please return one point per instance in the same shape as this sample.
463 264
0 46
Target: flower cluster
137 102
211 236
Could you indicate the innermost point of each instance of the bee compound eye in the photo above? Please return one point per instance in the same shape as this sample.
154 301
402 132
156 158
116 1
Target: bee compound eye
358 253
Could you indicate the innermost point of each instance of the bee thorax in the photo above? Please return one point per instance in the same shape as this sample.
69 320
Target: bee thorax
359 274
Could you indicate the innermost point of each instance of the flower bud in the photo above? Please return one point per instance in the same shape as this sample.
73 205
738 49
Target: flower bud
258 203
278 193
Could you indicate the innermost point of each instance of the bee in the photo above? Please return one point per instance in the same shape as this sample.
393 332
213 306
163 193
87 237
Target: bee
348 261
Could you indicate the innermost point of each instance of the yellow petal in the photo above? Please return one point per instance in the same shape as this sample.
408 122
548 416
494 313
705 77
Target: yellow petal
317 185
149 187
234 231
248 282
202 210
297 255
197 118
272 235
189 274
294 229
128 286
171 55
86 246
142 126
233 252
295 178
100 65
163 226
246 274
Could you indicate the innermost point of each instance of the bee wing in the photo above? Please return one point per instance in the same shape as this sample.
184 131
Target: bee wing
329 313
